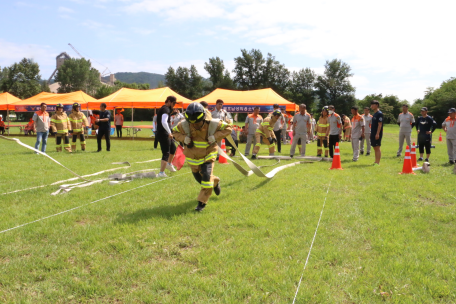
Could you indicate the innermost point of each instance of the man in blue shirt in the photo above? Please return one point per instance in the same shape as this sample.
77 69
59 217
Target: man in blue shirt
376 131
104 127
425 126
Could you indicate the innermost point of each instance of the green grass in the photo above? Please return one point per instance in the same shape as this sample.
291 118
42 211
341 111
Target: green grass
383 237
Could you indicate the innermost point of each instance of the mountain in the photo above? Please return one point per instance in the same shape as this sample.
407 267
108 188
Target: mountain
140 77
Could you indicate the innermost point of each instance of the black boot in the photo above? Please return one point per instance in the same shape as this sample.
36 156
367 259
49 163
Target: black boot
200 207
217 189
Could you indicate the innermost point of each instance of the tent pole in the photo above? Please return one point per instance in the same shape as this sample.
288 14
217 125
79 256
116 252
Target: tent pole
133 127
7 116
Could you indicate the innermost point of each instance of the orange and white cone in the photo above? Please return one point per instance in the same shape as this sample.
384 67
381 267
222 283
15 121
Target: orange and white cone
222 160
440 137
413 156
336 164
407 168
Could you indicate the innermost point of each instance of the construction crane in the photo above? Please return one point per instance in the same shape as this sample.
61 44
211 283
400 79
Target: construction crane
75 50
103 73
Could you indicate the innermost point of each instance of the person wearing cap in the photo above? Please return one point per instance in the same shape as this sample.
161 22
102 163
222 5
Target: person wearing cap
78 122
450 130
357 123
406 122
104 127
425 126
42 121
252 123
334 132
60 124
301 130
118 122
376 131
266 131
367 131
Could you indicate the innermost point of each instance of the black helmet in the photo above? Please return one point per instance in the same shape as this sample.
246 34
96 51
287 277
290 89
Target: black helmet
277 113
195 113
76 105
59 105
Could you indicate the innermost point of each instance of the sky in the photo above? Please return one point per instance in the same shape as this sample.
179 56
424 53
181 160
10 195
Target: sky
393 47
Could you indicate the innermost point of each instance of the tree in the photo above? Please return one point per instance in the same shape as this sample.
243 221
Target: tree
218 75
186 82
22 79
106 90
275 75
77 75
334 86
302 86
390 105
45 86
439 101
248 70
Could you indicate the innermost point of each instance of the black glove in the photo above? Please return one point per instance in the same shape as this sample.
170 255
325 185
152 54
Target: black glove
270 140
190 145
70 132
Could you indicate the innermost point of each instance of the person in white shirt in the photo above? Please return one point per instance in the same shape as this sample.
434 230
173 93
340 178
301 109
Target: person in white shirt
406 122
301 129
221 114
367 131
313 125
176 117
252 122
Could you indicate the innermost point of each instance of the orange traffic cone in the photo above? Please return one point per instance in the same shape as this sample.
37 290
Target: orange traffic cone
407 168
413 156
222 160
336 164
440 137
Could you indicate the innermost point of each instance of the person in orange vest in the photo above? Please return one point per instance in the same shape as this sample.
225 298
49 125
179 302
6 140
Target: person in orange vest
29 127
78 122
252 122
41 127
357 131
118 121
2 125
93 119
450 130
335 129
60 124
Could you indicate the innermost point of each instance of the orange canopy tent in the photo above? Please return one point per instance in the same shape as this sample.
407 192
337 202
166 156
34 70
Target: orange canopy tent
131 98
244 101
51 99
6 101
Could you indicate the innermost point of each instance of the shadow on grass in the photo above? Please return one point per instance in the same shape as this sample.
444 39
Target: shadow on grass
264 182
167 212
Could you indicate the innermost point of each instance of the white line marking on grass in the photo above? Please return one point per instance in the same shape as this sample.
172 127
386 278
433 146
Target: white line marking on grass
313 240
101 199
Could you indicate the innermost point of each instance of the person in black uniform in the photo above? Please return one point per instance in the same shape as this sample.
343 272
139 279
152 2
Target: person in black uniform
376 131
425 126
165 136
104 127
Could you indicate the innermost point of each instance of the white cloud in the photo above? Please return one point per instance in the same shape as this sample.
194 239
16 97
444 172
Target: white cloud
65 10
143 31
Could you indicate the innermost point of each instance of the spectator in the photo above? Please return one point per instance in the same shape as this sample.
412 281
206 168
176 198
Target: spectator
425 126
406 122
2 125
335 129
42 121
357 131
450 130
29 127
104 127
347 127
367 131
165 137
154 129
208 113
376 131
252 123
301 130
313 125
243 135
118 121
176 118
235 139
286 120
221 114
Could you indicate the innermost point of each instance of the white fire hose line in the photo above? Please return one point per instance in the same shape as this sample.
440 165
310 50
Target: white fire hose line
313 240
101 199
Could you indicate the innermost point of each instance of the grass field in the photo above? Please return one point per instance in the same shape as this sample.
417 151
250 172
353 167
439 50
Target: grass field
383 237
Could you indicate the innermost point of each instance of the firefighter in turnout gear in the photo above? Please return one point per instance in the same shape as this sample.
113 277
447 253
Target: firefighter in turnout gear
200 137
78 121
322 138
60 124
265 130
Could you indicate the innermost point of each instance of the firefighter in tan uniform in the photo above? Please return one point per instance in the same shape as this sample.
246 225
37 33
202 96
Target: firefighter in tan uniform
322 138
60 124
265 130
78 121
201 148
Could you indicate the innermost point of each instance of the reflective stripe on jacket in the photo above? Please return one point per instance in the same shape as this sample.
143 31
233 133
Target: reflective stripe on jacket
78 120
60 123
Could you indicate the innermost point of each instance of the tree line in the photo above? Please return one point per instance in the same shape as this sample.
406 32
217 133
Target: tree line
252 71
